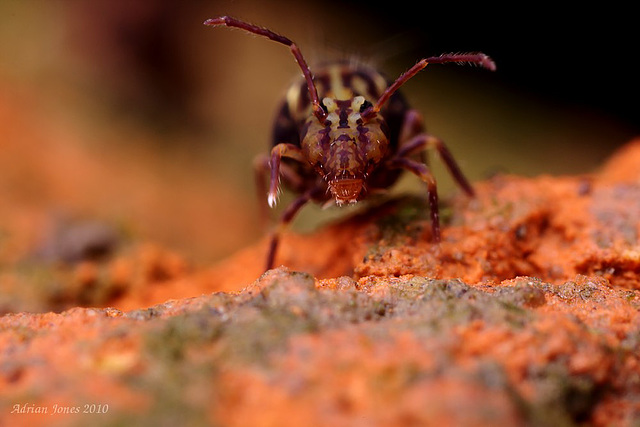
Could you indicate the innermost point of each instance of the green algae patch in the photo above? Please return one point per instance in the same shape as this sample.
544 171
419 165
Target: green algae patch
406 219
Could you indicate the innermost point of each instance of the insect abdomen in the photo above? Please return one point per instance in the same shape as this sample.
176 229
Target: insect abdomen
285 129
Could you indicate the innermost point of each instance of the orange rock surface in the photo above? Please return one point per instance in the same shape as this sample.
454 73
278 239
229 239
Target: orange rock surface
525 314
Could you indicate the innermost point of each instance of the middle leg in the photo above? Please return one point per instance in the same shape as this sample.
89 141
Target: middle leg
424 141
414 140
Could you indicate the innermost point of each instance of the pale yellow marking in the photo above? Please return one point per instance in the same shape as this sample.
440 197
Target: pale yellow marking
339 91
292 96
380 83
355 111
357 103
330 104
360 85
332 107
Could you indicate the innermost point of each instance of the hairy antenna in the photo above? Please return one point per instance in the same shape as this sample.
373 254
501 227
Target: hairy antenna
228 21
461 58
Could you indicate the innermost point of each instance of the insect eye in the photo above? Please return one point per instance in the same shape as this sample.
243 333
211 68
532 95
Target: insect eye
366 104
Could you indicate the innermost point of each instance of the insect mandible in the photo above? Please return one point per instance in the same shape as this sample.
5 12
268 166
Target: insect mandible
345 131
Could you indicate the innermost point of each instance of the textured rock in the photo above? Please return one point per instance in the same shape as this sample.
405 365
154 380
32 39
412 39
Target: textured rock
525 314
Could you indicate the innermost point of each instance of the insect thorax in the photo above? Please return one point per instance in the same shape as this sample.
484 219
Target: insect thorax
343 150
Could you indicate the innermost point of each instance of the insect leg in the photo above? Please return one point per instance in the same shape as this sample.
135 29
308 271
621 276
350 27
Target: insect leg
424 173
288 215
260 168
412 125
277 153
423 141
461 58
261 165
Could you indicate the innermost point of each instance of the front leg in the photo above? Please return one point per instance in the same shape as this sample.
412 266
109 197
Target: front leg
277 153
262 168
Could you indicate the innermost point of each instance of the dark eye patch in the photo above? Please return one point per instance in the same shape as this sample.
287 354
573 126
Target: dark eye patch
366 104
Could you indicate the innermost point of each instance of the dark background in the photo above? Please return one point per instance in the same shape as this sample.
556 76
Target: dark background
153 61
564 96
580 55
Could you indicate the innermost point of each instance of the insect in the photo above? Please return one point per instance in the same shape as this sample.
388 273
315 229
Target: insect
344 131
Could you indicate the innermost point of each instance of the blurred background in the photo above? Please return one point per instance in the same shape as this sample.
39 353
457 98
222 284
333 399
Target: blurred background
133 112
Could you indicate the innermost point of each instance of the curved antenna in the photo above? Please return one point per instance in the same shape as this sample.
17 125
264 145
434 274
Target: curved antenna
465 58
318 111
